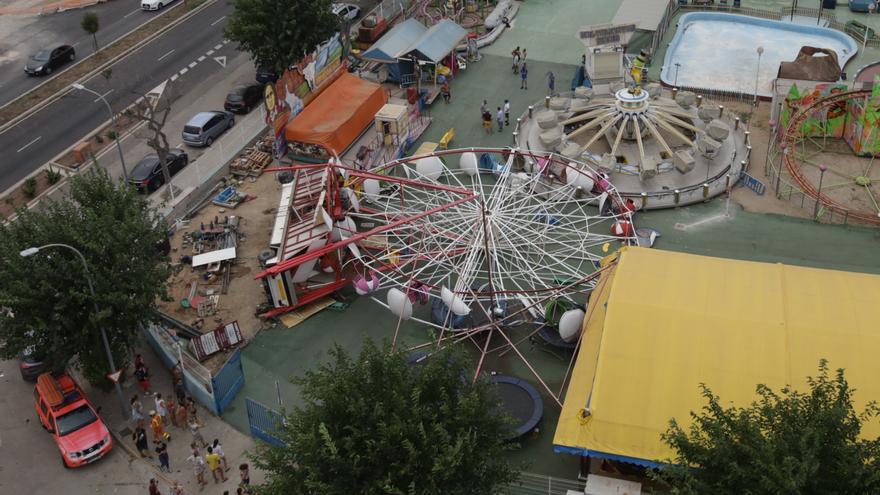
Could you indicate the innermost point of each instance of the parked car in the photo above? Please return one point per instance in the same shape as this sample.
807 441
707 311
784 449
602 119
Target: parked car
147 175
243 98
266 76
45 61
31 364
862 5
63 410
346 10
205 127
154 4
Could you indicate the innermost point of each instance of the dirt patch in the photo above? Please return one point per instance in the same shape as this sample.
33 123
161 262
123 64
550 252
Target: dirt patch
68 77
244 294
25 192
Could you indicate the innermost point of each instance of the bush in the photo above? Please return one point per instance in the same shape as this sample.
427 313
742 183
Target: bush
98 139
29 188
112 135
52 176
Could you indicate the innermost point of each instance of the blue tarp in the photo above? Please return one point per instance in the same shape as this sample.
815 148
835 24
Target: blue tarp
396 42
437 42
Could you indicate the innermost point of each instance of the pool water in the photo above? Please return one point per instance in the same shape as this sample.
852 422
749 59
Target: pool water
719 51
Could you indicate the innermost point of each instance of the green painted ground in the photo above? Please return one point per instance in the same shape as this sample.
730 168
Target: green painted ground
546 28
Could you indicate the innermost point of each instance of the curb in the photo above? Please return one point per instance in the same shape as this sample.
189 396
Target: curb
136 456
63 92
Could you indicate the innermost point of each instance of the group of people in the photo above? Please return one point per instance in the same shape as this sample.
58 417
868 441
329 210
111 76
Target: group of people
502 116
520 67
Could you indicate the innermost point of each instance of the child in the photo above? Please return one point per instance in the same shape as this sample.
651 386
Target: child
244 472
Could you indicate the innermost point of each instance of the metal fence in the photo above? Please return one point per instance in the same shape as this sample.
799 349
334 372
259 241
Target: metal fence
537 484
228 381
264 423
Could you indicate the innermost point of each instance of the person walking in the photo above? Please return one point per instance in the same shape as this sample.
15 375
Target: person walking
213 462
158 427
245 473
516 58
506 113
198 464
196 434
162 451
180 391
524 75
161 408
140 441
172 414
181 416
192 410
487 122
143 377
154 487
525 53
551 83
137 411
218 449
499 118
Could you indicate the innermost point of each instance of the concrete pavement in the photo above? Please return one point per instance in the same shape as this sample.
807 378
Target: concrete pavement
189 53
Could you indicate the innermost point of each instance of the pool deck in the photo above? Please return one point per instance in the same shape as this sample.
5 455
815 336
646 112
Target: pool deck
547 29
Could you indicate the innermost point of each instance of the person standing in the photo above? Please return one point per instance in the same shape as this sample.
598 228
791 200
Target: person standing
506 112
499 118
245 474
487 122
444 90
551 82
198 467
516 59
137 411
191 409
162 451
524 75
525 53
180 391
218 449
143 377
213 462
181 416
140 441
484 108
161 408
154 487
196 434
158 427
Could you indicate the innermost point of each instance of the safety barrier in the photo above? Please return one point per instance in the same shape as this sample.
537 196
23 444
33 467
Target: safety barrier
752 183
228 381
264 423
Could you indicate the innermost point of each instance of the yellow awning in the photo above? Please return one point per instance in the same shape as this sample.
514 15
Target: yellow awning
664 322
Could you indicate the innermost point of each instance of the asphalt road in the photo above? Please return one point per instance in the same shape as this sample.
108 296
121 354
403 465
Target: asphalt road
22 36
189 53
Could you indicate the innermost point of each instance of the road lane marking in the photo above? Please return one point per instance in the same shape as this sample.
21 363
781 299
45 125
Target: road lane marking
218 20
193 64
174 77
103 96
133 12
201 58
163 56
221 60
183 71
30 143
225 41
210 52
218 46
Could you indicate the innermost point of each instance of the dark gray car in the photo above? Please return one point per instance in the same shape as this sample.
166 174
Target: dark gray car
205 127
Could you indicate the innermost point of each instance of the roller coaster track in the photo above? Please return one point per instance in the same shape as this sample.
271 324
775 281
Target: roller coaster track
790 139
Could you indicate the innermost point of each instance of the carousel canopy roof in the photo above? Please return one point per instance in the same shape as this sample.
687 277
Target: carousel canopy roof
438 41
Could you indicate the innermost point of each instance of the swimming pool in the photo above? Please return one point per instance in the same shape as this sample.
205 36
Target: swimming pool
719 51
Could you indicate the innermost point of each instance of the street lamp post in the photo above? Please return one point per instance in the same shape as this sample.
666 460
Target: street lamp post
677 66
112 120
757 73
822 169
34 250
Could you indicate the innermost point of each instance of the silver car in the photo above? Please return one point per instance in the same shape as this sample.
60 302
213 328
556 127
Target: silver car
205 127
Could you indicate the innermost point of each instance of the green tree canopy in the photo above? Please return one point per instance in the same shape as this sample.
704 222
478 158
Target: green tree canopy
277 34
378 425
47 293
90 24
784 443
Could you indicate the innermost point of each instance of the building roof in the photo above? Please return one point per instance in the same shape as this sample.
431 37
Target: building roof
645 14
659 323
396 42
438 41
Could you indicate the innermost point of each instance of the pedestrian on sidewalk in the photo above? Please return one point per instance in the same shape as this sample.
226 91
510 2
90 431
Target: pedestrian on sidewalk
143 377
154 487
487 122
218 449
172 413
192 410
181 416
516 58
524 75
162 451
213 461
137 411
525 54
140 441
499 118
180 392
198 467
198 439
158 427
551 83
244 472
161 408
506 112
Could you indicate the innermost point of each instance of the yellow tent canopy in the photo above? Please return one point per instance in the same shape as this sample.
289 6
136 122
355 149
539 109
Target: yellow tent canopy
663 322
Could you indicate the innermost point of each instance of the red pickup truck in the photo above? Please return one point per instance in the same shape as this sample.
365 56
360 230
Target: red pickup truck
65 412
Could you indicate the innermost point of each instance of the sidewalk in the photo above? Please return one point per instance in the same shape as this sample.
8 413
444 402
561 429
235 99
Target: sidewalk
234 443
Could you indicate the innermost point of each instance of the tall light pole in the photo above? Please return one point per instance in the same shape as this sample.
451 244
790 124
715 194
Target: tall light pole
113 120
822 169
757 73
34 250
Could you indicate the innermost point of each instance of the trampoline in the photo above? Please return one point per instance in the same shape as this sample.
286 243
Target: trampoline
521 401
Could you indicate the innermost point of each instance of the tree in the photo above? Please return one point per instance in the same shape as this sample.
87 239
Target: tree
91 25
787 442
277 34
46 295
153 110
378 425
